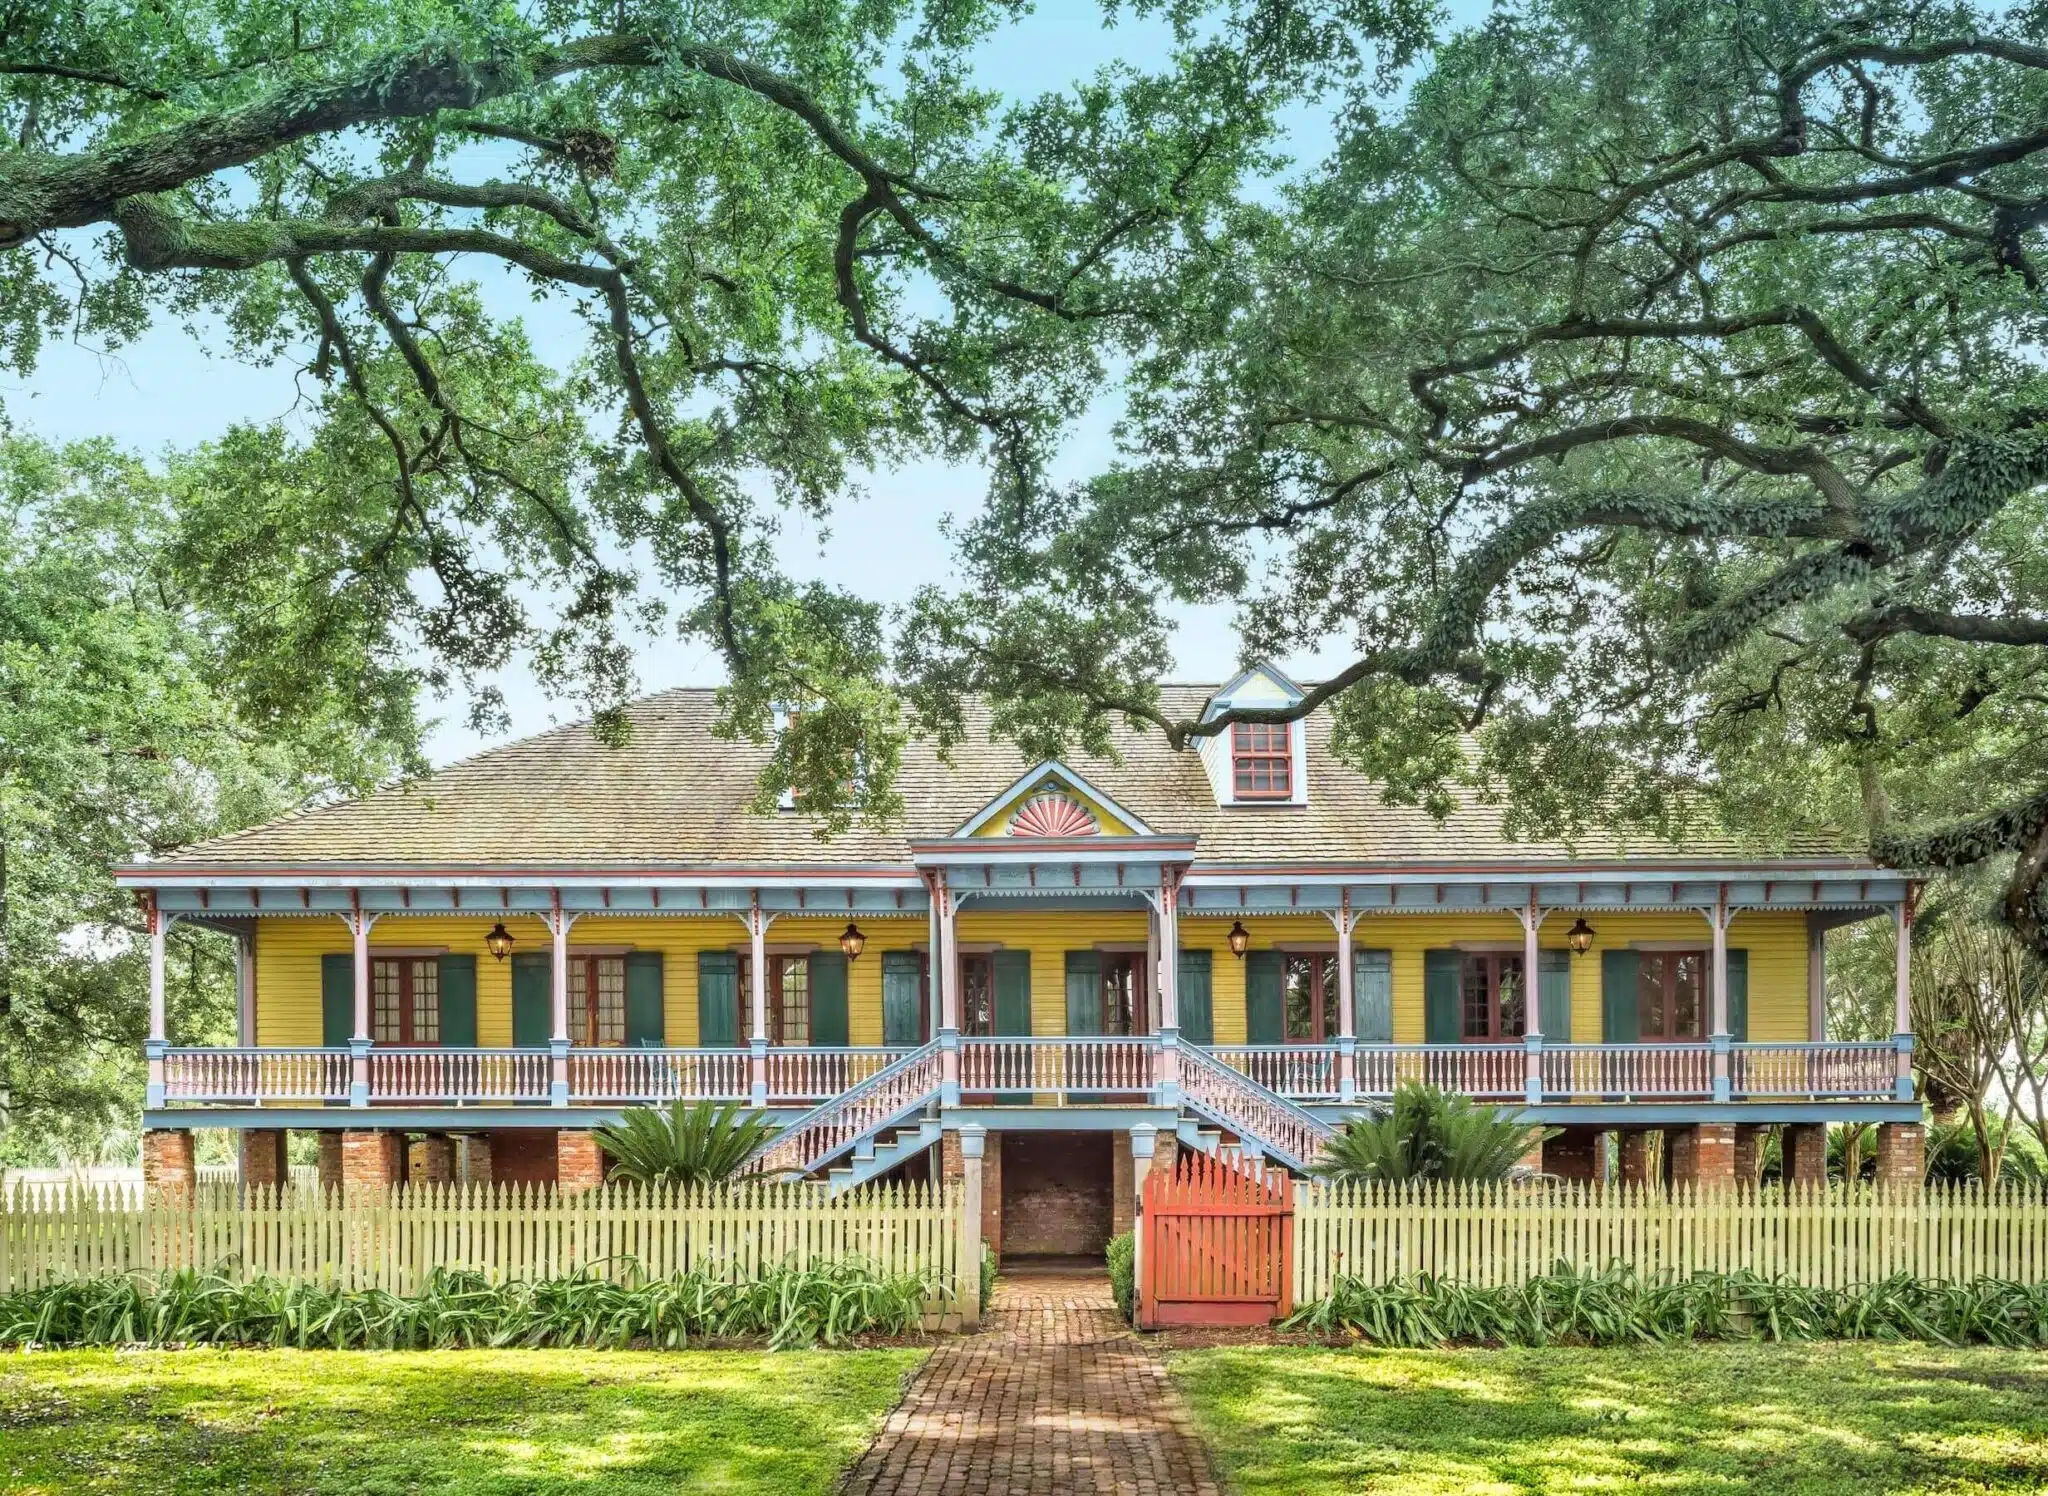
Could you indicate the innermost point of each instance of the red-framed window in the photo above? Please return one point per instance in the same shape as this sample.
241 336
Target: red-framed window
1123 994
789 999
1262 760
1492 1002
597 1001
1671 995
405 1000
1308 996
977 994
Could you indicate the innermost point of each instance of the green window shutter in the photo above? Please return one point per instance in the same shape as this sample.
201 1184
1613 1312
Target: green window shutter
1011 973
1619 1023
828 999
1441 971
458 1002
1084 992
1372 993
533 1017
1197 1008
1554 995
902 998
1262 982
718 999
337 1000
644 1018
1738 995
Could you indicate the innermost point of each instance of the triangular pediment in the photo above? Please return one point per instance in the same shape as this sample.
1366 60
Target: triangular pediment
1263 685
1052 803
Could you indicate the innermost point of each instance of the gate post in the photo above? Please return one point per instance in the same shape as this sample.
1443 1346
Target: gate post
1144 1142
972 1140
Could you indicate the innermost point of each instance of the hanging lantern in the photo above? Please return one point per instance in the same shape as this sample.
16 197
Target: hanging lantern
1239 938
1579 937
852 941
499 941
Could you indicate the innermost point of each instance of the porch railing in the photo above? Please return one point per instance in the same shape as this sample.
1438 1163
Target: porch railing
458 1076
1306 1072
658 1075
1819 1071
1586 1072
1488 1070
814 1074
1095 1065
255 1075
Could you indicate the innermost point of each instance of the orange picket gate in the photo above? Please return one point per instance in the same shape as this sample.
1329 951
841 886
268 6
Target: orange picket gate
1218 1244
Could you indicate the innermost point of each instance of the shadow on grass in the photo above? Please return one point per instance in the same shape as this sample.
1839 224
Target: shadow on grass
1829 1418
368 1423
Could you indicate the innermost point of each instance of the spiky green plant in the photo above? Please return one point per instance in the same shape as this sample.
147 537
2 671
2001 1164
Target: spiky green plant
683 1143
1430 1134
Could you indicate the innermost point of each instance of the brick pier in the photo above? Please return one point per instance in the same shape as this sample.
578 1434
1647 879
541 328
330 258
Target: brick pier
1056 1396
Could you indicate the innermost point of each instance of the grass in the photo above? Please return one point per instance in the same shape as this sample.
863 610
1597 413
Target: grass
468 1422
1696 1419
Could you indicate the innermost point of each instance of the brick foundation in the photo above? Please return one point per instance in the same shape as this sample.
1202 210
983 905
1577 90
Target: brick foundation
473 1160
167 1162
1749 1153
1805 1152
431 1160
1056 1192
579 1162
1901 1153
372 1160
330 1159
1573 1154
1632 1166
1702 1154
263 1159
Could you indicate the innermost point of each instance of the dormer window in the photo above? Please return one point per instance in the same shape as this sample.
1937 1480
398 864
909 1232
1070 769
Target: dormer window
1262 760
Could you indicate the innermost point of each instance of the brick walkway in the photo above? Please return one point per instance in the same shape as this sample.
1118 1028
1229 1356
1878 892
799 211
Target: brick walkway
1054 1396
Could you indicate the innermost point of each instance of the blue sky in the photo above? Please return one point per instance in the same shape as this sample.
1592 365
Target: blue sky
164 390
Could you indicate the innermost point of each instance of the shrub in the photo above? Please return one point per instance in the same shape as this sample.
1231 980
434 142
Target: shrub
988 1277
1123 1261
685 1143
786 1306
1430 1134
1618 1307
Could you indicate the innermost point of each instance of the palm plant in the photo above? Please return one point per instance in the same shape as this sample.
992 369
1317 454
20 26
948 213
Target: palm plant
1430 1134
697 1143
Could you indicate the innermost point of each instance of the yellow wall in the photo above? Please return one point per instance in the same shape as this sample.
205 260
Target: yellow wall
288 955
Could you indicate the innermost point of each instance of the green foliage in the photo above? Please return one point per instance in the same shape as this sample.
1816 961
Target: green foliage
684 1143
988 1277
1426 1133
786 1306
127 730
1123 1262
1617 1307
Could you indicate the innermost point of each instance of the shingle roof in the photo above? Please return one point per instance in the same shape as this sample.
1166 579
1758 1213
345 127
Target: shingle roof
678 795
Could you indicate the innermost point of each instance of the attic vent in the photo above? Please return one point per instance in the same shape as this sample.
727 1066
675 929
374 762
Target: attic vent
1050 813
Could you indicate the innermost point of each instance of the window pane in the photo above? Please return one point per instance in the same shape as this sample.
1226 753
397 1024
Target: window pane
1476 1011
610 1024
1119 995
1688 995
1300 997
796 1000
977 996
426 1002
1514 1007
1650 996
387 1013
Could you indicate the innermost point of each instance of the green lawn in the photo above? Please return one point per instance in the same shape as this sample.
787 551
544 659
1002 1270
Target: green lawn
443 1421
1847 1418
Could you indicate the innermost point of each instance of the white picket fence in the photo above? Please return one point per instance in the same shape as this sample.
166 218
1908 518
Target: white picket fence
393 1239
1825 1237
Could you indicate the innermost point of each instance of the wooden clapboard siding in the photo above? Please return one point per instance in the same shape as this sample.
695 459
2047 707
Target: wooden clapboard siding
288 953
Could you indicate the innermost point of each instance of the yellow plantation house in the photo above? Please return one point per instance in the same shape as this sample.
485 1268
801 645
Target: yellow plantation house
1057 967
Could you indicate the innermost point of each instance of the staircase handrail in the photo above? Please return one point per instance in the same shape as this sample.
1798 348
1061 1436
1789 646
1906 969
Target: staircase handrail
1252 1110
826 1129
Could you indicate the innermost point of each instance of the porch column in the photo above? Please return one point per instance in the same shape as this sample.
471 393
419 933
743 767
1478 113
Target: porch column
1166 938
1721 1040
359 1038
946 974
1532 999
1902 994
159 1022
1816 979
1144 1144
757 1001
973 1141
558 1036
245 989
1347 1019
